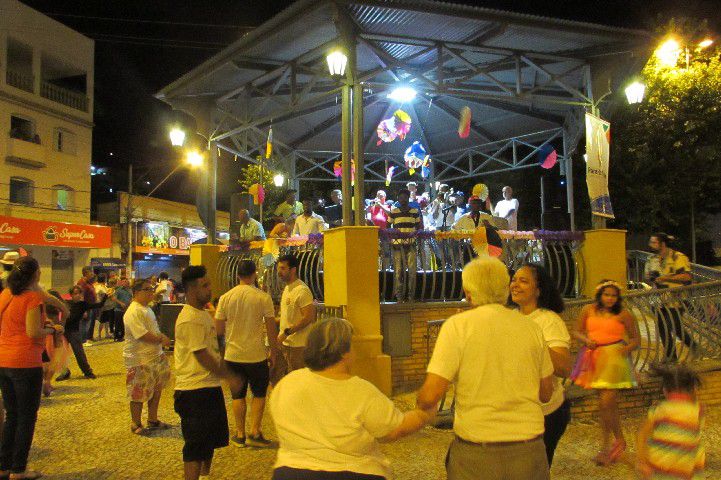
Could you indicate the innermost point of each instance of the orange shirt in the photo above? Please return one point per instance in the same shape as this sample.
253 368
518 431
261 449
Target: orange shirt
604 330
17 350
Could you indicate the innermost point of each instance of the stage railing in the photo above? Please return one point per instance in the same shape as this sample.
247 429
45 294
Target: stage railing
424 268
678 325
637 262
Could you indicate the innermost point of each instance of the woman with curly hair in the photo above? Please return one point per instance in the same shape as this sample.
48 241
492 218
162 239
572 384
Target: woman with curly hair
609 334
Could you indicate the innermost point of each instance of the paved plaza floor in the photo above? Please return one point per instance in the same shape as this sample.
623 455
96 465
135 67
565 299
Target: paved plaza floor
83 433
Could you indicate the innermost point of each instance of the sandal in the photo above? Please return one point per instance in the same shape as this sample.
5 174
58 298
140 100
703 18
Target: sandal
137 429
27 474
619 446
158 425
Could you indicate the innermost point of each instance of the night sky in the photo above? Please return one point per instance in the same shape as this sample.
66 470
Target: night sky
142 46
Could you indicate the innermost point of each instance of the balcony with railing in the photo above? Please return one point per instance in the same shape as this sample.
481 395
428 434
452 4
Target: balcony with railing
64 96
19 80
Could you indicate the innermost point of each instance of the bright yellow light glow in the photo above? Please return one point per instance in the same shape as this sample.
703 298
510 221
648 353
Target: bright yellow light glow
194 158
635 92
278 180
669 52
337 61
177 137
705 43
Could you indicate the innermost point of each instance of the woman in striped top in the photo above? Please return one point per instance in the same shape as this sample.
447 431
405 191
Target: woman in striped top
669 443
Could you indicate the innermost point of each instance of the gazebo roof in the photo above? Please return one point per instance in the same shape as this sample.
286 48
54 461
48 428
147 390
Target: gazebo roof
519 75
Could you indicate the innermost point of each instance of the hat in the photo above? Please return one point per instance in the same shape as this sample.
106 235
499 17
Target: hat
474 197
9 258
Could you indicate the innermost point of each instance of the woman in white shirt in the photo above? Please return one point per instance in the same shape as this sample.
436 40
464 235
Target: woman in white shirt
328 421
535 294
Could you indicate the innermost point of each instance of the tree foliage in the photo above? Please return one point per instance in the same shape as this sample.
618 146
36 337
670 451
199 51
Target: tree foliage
251 173
666 152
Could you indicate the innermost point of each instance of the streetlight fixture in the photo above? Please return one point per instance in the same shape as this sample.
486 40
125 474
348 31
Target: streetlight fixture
177 137
337 61
278 180
402 94
669 52
194 158
705 43
635 92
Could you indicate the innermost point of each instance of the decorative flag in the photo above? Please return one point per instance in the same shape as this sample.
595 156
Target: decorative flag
464 123
269 143
547 156
598 140
389 175
258 193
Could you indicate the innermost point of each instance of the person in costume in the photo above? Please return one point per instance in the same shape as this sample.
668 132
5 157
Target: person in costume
535 294
609 334
669 443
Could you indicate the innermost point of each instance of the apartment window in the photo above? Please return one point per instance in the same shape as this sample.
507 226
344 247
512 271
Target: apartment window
23 128
64 141
63 197
21 191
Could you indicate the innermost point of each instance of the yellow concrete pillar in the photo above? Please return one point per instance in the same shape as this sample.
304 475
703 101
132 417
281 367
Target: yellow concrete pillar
350 278
603 256
208 256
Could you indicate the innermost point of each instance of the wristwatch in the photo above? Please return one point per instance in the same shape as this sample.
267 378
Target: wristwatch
287 332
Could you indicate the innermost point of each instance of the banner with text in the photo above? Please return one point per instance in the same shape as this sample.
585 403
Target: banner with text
598 141
22 231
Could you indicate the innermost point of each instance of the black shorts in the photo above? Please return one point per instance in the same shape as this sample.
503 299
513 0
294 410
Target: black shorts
203 421
107 316
255 374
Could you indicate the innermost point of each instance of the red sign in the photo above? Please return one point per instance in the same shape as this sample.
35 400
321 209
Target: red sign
20 231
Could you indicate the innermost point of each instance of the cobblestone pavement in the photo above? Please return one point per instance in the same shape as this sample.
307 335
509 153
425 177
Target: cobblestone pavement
83 433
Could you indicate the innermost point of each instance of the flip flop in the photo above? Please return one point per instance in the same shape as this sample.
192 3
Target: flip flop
619 446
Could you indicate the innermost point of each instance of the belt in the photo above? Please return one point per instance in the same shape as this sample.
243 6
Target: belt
499 444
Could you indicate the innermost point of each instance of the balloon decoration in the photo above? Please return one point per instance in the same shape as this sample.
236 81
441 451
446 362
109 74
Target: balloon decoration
464 123
416 157
547 156
480 190
397 126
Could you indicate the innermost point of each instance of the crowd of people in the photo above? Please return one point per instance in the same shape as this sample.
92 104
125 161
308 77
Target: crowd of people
507 357
448 209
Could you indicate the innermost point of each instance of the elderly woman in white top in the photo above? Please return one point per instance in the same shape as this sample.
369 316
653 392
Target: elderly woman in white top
535 294
328 421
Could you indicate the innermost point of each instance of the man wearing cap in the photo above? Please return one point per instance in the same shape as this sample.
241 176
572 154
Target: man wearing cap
7 262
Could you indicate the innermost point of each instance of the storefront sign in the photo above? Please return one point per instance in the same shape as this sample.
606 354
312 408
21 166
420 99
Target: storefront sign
21 231
163 239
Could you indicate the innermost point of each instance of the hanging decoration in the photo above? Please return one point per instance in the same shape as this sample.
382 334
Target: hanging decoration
547 156
416 157
464 123
480 190
269 144
338 170
397 126
258 193
389 174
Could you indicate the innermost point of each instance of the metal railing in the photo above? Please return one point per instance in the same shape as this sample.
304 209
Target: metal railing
678 325
67 97
637 259
20 80
421 269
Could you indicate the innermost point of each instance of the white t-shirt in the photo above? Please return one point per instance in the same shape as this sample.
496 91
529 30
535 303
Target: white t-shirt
194 331
163 288
556 335
497 358
295 296
331 425
138 321
307 225
505 206
243 309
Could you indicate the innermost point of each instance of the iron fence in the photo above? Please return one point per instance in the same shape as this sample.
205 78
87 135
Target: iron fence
636 260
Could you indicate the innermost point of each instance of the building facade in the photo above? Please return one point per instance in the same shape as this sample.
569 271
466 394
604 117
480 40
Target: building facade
46 124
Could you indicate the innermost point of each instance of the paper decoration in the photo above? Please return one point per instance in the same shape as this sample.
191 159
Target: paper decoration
397 126
547 156
480 190
464 123
338 169
389 175
417 157
258 193
402 122
269 144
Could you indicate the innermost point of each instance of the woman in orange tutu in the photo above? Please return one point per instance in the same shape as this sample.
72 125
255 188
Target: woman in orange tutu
609 334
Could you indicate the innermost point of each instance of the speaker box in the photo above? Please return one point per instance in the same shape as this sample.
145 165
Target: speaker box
555 219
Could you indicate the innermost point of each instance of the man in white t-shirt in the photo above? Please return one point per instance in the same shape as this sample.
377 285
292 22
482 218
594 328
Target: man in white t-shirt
502 370
199 397
308 222
245 315
147 368
297 312
164 288
508 208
